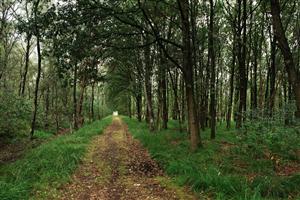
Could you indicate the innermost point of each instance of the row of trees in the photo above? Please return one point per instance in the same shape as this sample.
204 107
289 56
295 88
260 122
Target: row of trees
47 80
204 61
195 61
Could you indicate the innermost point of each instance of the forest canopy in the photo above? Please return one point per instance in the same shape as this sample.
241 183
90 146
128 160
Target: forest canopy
67 62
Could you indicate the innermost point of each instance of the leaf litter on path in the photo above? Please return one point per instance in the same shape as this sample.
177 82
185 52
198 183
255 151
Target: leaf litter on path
117 167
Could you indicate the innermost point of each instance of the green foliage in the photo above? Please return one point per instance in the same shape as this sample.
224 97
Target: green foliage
42 135
49 165
122 84
15 114
263 133
213 170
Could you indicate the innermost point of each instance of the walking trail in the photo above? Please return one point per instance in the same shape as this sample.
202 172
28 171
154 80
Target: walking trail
118 167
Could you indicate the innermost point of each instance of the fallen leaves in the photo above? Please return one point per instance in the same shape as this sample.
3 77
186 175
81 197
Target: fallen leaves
118 167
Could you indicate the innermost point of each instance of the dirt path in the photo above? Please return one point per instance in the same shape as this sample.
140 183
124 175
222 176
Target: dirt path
118 167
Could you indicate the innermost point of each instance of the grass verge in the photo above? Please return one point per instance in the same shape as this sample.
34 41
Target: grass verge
47 166
220 170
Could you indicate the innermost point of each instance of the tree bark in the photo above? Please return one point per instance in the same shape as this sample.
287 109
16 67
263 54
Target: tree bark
75 121
212 63
164 93
139 107
188 69
148 87
28 39
92 101
80 118
39 71
232 73
174 85
47 107
139 97
272 76
242 40
254 73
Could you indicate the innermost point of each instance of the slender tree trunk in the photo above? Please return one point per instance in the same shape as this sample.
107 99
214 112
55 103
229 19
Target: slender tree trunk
182 86
164 95
92 101
231 92
242 58
75 120
47 107
285 92
129 106
28 39
148 87
212 61
139 107
272 76
56 107
139 97
36 91
174 82
254 75
80 118
188 69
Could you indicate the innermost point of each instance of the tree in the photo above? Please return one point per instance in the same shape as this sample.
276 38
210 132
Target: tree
212 62
293 73
39 71
188 70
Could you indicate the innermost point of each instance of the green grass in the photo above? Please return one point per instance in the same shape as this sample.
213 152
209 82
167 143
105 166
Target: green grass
217 172
43 135
39 136
49 165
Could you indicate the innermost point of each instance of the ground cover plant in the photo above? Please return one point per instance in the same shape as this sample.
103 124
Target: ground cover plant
49 165
231 167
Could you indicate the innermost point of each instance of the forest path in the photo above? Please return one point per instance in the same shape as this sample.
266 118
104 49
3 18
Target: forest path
118 167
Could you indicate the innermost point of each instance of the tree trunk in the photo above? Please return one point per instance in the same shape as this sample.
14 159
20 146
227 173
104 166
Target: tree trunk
188 69
92 101
242 61
36 91
148 87
174 82
47 105
212 63
75 120
254 76
28 39
139 107
139 97
232 72
80 118
164 95
182 86
129 106
272 76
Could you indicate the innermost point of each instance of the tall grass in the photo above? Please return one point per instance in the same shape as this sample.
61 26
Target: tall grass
48 165
211 170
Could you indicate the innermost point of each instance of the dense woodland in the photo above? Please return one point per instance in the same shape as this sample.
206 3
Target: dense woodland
67 62
214 72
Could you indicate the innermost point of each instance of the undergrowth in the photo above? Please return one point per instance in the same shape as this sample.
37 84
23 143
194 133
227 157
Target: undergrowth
226 168
47 166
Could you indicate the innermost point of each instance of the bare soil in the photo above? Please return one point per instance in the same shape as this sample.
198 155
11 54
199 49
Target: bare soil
118 167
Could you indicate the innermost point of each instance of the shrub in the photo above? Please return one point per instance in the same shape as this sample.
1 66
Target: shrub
15 114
